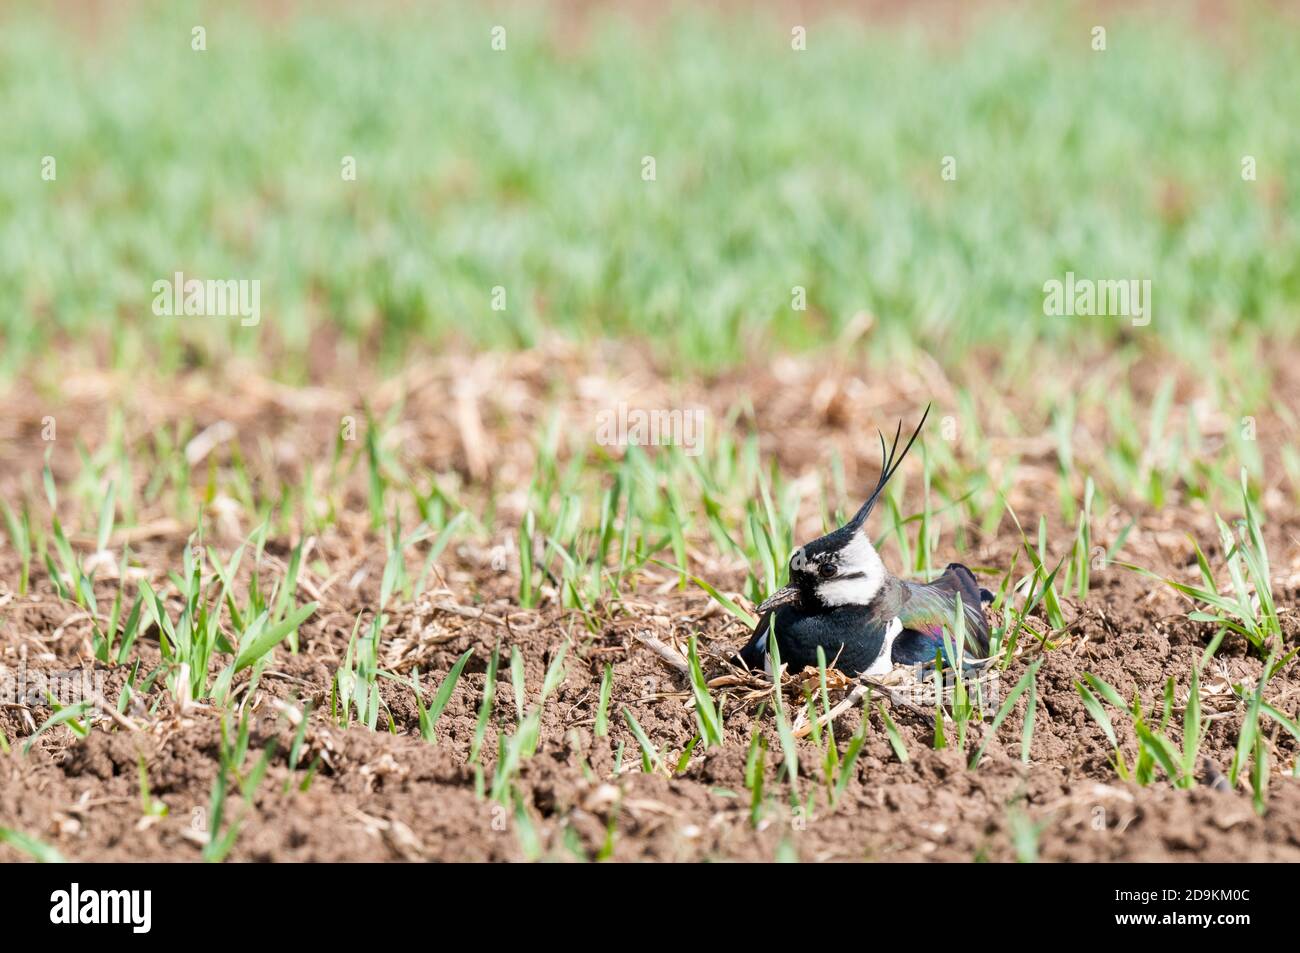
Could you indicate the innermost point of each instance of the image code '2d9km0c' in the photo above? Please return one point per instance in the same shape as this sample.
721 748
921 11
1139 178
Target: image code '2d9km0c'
563 432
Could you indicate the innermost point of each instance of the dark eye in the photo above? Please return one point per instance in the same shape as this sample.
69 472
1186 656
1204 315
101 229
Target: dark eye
826 570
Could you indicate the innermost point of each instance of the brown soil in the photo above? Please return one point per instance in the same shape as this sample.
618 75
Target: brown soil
391 796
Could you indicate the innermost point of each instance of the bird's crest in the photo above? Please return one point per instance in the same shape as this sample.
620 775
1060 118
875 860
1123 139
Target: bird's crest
891 461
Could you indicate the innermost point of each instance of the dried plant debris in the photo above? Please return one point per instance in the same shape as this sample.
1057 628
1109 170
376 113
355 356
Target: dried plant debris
400 676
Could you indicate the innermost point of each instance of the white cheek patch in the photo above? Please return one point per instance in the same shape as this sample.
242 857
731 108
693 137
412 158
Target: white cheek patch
884 663
859 555
859 562
849 592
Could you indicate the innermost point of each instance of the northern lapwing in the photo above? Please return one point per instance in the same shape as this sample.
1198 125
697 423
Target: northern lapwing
841 597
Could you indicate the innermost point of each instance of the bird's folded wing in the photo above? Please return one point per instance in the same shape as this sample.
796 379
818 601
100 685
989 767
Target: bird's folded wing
928 607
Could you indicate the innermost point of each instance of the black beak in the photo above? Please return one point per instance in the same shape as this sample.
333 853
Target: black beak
782 597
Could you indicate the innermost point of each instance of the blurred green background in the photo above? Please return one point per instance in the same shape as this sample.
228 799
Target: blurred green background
522 169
